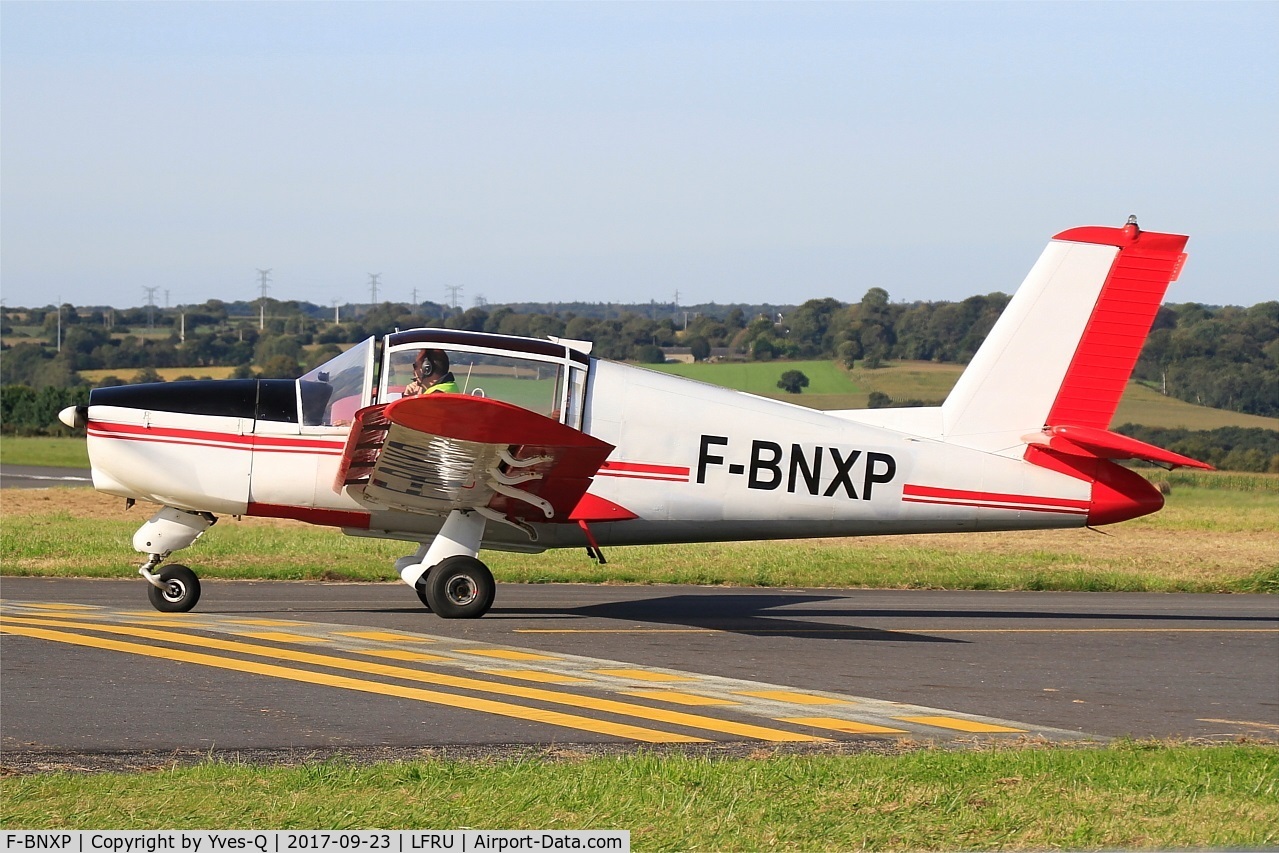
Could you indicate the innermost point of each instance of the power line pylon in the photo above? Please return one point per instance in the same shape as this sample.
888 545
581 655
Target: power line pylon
263 282
151 291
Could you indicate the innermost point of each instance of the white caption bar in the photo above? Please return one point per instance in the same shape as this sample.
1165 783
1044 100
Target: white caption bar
315 841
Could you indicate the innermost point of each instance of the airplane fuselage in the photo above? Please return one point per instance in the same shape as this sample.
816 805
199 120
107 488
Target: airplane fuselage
694 462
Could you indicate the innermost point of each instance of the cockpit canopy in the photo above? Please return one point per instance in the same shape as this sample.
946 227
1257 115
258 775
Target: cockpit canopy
547 377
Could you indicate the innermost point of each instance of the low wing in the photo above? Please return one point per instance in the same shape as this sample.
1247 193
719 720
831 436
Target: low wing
440 452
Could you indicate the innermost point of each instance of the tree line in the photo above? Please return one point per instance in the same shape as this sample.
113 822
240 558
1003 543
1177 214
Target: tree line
1222 357
1226 448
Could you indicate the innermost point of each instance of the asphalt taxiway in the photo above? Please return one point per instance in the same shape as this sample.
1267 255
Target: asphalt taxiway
89 667
37 477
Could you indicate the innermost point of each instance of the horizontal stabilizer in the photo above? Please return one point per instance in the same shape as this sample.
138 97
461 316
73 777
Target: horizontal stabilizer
1104 444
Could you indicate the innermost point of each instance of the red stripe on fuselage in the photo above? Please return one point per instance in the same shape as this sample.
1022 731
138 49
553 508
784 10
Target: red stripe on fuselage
990 500
962 494
206 438
642 471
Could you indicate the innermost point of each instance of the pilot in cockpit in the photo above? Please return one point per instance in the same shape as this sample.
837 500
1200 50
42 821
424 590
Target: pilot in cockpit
431 375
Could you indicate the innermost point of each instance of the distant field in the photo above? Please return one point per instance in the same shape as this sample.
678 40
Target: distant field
760 377
834 388
1142 405
168 374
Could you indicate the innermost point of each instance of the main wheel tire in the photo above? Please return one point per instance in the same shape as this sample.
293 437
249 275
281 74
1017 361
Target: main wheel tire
420 589
181 590
460 587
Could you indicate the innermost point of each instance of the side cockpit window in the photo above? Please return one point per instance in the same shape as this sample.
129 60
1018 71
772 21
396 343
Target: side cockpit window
544 376
529 383
332 393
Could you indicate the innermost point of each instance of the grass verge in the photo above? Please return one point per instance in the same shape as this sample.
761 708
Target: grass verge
44 451
1227 541
1129 796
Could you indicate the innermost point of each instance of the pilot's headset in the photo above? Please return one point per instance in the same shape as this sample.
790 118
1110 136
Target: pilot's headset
437 362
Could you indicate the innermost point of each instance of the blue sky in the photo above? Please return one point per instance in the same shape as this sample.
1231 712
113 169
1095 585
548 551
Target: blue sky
730 152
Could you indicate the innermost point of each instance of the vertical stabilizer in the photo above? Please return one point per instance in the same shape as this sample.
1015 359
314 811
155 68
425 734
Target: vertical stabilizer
1065 347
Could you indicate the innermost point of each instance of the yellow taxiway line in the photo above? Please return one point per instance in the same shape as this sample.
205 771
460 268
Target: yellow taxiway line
680 718
488 706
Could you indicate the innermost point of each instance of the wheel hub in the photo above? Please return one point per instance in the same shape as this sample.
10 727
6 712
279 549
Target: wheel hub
461 590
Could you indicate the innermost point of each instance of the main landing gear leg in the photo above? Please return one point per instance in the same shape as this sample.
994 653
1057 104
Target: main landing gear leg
447 576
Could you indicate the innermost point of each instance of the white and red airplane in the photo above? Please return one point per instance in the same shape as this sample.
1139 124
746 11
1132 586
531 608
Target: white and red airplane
538 445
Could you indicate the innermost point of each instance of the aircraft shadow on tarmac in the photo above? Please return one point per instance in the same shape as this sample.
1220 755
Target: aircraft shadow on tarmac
759 614
754 614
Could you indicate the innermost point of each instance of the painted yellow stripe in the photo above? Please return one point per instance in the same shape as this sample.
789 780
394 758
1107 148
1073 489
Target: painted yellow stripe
281 637
680 718
488 706
678 698
957 724
838 725
384 636
642 675
793 698
403 654
267 623
505 654
536 675
54 605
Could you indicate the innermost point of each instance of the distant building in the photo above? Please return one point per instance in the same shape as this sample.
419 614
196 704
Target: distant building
682 355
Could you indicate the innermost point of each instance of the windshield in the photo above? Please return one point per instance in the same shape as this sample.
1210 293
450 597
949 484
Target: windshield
333 392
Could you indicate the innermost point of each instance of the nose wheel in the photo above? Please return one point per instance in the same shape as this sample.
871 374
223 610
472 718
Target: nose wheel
178 592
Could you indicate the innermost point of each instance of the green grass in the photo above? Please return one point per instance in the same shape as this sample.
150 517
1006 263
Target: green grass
760 377
1232 481
835 388
46 451
1132 796
1142 405
1228 541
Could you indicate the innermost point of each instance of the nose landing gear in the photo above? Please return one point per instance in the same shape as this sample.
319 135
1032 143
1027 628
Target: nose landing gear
175 588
